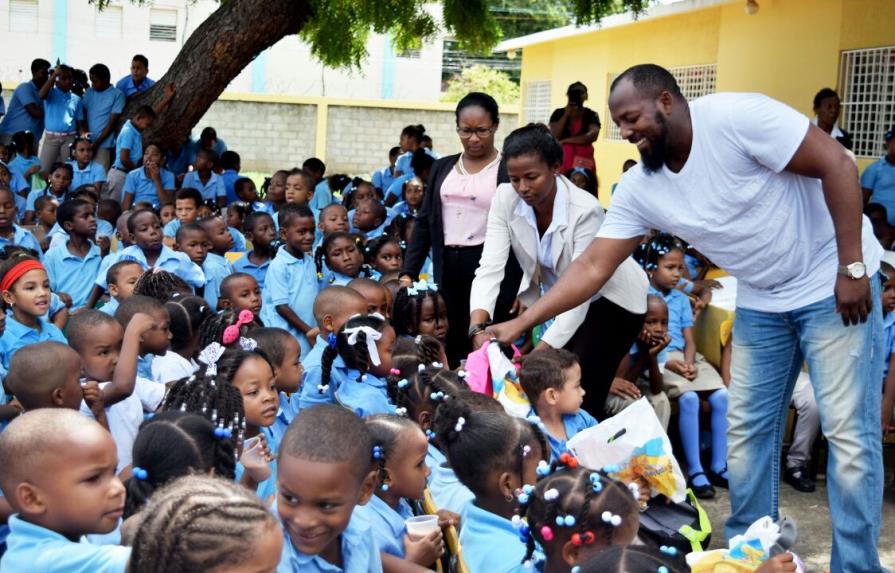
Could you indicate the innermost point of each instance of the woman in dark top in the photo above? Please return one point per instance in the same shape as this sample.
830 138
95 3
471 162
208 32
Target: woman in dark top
827 108
454 216
577 128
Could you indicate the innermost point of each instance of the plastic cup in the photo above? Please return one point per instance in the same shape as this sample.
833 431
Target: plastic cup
421 525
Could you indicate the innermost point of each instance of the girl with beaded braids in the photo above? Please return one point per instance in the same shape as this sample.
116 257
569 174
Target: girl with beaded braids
400 452
200 523
171 445
161 285
574 513
187 314
492 454
384 254
420 309
214 328
356 362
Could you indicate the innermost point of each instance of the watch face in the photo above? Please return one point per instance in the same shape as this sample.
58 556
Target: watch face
857 270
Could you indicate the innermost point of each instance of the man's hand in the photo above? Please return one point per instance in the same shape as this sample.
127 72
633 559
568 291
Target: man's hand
624 389
853 299
506 332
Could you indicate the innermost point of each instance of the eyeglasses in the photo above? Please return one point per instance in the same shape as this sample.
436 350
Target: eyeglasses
481 132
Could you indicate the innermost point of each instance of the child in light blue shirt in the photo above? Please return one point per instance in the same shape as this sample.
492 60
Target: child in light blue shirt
360 362
129 143
151 182
86 171
73 265
203 178
261 231
339 448
67 507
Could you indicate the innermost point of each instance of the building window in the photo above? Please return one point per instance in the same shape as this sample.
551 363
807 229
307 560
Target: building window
108 23
867 90
163 25
23 16
537 102
694 81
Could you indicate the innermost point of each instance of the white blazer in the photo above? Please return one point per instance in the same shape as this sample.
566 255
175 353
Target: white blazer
509 229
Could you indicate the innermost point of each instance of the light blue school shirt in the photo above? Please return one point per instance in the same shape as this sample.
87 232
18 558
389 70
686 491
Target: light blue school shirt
213 189
129 138
491 543
889 324
58 236
244 265
98 109
573 423
170 229
18 335
129 88
17 117
110 307
239 240
387 524
364 398
402 208
447 491
142 187
680 316
92 174
229 176
396 187
22 238
879 177
360 553
309 395
168 260
36 194
70 273
403 163
37 549
62 110
268 487
290 281
434 458
20 165
323 197
179 162
383 178
285 414
216 269
334 278
220 146
144 366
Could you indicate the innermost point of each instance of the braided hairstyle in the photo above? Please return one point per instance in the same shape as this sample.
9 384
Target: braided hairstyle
399 225
356 357
649 252
187 314
486 442
321 252
202 394
385 429
408 309
212 329
373 246
634 559
586 495
174 444
199 523
423 391
161 285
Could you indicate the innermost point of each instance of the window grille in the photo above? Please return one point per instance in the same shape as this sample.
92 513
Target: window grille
867 92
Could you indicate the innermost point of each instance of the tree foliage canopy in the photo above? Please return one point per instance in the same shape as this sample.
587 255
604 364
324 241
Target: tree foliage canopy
482 79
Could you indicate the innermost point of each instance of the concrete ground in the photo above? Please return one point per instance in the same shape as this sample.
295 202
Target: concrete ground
811 512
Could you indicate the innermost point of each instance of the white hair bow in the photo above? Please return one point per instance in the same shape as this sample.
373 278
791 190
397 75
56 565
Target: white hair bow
373 336
247 344
210 356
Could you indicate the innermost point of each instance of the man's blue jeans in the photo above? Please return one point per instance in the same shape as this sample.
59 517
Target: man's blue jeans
845 365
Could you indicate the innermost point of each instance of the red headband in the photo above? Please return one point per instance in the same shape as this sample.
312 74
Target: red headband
18 271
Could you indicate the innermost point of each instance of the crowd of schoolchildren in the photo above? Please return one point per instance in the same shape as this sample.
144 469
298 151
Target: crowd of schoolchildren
200 375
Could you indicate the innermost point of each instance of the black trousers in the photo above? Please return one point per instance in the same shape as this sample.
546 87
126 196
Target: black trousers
459 266
602 340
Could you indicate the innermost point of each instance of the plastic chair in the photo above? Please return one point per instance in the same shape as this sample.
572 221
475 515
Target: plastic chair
451 539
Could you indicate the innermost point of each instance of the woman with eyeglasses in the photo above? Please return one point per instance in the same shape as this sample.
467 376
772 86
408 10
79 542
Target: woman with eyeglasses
454 216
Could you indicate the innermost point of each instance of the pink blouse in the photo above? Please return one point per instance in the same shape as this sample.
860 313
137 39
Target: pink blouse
465 201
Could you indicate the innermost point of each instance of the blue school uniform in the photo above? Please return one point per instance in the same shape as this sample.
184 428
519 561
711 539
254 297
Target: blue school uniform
396 187
268 487
139 184
363 397
129 138
98 110
244 265
310 395
61 111
31 547
360 553
170 229
680 316
490 542
20 165
239 240
229 176
387 524
402 208
92 174
434 458
216 269
17 117
168 260
331 278
285 414
36 194
889 325
213 189
322 198
383 177
573 423
18 335
22 238
71 274
110 307
447 491
144 366
290 281
129 88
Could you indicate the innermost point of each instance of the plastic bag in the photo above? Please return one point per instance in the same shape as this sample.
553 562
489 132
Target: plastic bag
635 441
505 383
747 552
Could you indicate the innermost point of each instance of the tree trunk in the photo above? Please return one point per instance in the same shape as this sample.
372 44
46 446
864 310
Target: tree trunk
213 55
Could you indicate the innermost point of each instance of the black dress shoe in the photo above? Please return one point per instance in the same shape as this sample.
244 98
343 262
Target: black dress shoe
718 480
799 479
701 491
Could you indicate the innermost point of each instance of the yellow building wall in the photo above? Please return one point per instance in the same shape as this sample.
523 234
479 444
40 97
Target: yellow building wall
788 50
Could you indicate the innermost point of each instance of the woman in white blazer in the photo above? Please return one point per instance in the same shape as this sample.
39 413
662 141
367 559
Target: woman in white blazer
547 222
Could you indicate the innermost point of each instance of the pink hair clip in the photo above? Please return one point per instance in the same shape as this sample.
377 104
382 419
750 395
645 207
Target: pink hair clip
394 371
231 335
245 317
547 533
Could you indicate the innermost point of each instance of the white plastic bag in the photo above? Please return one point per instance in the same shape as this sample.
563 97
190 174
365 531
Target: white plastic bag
635 441
505 383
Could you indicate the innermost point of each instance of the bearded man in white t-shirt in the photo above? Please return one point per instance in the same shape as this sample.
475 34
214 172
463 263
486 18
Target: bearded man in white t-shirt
772 199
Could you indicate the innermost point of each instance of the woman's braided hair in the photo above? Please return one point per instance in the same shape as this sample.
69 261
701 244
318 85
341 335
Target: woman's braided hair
199 524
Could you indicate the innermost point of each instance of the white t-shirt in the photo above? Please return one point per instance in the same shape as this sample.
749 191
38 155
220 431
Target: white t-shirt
733 202
171 367
126 416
